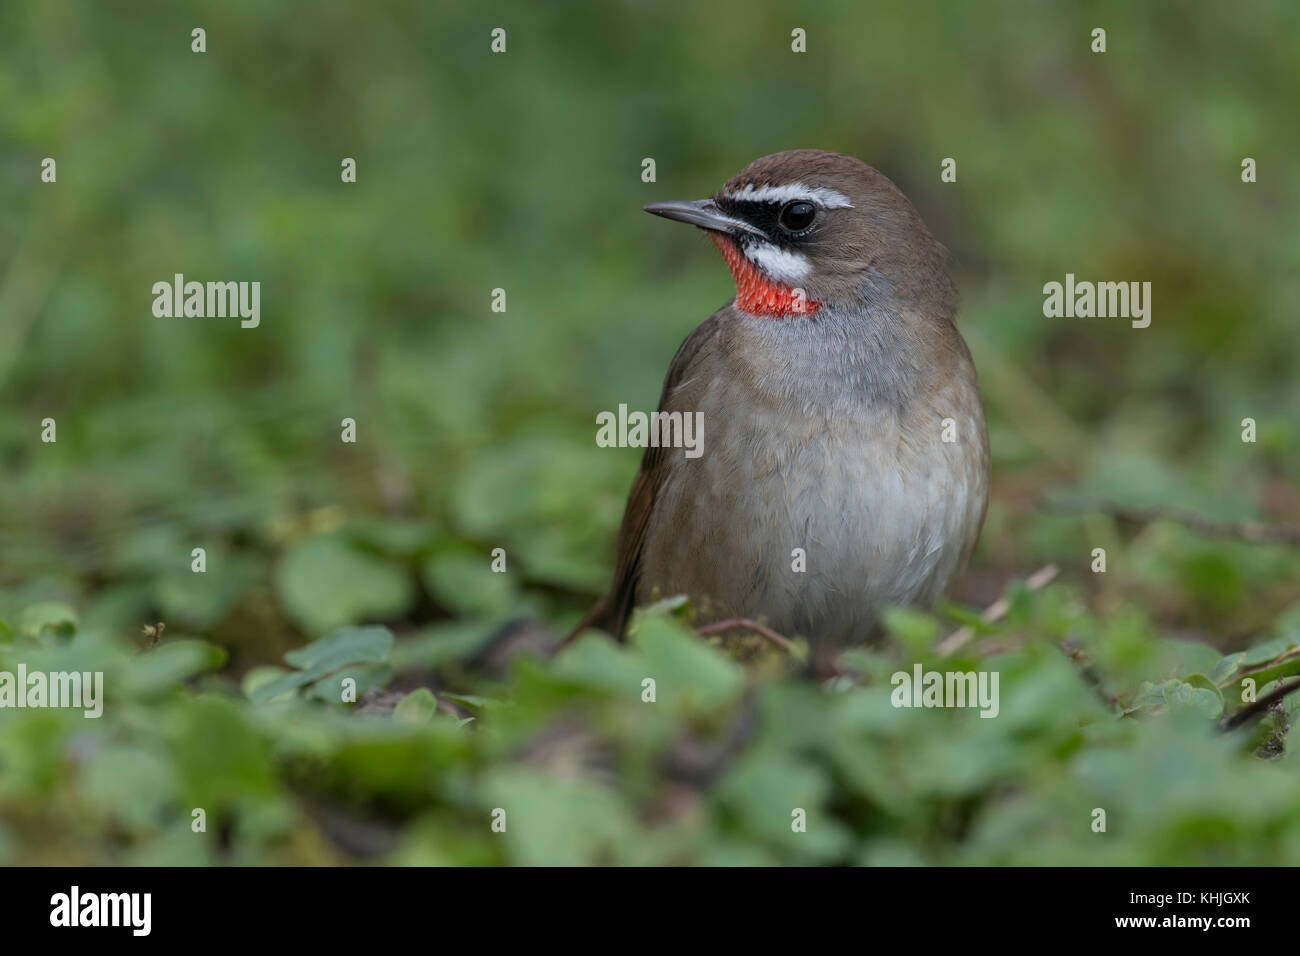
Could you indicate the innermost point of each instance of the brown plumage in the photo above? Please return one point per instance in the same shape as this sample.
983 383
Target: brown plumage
841 416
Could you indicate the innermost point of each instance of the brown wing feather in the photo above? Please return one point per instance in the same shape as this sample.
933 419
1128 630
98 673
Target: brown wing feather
611 612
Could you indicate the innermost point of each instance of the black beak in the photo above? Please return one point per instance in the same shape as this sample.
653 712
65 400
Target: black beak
703 213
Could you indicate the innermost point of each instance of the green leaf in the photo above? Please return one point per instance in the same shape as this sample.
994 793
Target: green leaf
1276 672
417 707
679 606
366 676
439 644
323 583
595 661
1265 652
221 760
130 783
473 702
346 646
351 645
1151 695
1226 667
198 602
548 502
558 822
965 616
401 537
170 663
259 677
685 669
916 630
466 583
48 615
766 789
1205 683
1203 699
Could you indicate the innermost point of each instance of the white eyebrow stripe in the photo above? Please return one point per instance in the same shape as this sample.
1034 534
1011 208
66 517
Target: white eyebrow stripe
821 195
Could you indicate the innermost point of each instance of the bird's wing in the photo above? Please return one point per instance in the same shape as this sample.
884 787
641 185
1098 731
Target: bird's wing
613 610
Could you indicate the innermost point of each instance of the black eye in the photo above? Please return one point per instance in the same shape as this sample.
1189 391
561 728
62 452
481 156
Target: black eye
797 216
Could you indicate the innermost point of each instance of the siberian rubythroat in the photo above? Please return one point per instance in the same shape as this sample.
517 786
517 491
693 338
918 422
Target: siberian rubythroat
844 463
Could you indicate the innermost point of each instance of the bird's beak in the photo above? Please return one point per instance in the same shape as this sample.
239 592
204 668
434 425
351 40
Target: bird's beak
703 213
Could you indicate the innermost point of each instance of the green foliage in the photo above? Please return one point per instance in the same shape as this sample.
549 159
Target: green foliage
588 769
333 566
324 657
324 583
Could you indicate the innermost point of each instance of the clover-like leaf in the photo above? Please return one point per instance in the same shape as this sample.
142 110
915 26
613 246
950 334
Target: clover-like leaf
351 645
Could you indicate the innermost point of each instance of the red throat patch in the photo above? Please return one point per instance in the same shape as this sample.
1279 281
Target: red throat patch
756 294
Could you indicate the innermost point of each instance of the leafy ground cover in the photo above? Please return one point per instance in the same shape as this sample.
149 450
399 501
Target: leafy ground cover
475 431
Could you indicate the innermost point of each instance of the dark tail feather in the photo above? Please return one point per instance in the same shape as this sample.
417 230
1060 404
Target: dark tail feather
603 616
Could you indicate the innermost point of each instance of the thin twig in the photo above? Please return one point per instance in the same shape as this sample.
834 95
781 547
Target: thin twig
996 611
1256 709
739 623
1252 532
1089 674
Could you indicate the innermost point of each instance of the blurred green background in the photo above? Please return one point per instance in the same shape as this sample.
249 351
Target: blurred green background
522 171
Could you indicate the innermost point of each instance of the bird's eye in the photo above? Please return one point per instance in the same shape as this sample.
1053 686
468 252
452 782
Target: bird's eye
797 216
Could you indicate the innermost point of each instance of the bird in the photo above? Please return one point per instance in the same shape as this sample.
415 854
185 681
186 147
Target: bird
844 459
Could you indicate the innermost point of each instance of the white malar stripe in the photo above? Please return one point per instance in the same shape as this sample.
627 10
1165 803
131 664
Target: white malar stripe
780 264
821 195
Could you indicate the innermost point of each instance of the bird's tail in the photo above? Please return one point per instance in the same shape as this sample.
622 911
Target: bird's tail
602 616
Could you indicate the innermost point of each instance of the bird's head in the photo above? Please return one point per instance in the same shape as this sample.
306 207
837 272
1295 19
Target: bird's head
807 229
